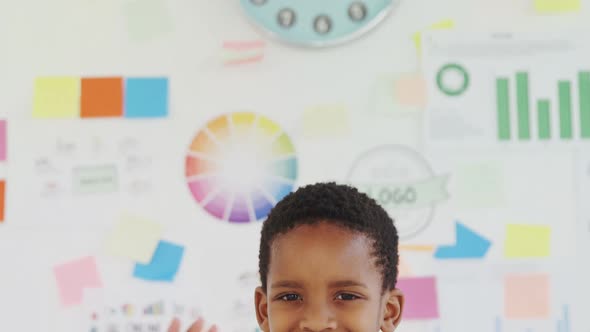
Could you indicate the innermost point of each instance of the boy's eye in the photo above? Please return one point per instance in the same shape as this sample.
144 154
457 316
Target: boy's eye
346 297
290 297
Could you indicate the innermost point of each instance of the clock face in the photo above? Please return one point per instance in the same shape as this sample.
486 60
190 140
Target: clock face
317 22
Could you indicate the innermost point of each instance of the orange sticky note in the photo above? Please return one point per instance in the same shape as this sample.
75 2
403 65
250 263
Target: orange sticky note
73 277
102 97
2 199
410 90
526 296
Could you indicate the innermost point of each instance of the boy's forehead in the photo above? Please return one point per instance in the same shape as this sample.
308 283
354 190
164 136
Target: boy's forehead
321 247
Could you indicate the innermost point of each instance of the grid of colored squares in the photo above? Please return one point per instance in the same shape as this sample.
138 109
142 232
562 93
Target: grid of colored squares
100 97
209 163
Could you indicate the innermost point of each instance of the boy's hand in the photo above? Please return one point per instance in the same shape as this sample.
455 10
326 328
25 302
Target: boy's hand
196 327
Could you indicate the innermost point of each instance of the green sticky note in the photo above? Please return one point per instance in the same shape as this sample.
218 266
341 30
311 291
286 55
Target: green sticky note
56 97
147 19
527 241
479 185
136 239
557 6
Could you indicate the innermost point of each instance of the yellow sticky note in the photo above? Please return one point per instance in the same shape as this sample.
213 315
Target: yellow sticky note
135 238
56 97
441 25
325 121
527 241
557 6
527 296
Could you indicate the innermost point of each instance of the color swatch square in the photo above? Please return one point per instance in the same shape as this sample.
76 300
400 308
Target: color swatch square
557 6
56 97
73 277
102 97
136 239
146 97
3 140
527 241
164 264
421 298
526 296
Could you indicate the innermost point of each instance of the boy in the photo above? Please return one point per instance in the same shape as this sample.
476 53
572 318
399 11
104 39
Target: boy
328 262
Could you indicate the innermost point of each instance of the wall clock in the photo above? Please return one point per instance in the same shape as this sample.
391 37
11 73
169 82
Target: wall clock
317 23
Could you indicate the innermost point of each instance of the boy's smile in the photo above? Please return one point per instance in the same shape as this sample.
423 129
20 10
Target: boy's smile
323 277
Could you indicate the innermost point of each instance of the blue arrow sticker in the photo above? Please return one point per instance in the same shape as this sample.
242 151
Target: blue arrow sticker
469 245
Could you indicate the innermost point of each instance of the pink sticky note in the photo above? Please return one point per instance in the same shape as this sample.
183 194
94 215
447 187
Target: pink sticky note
73 277
421 300
2 140
410 90
526 296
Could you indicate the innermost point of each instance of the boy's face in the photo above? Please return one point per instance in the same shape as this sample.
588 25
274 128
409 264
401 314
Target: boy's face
323 277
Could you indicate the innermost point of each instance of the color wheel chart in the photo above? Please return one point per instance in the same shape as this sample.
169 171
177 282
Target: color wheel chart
240 165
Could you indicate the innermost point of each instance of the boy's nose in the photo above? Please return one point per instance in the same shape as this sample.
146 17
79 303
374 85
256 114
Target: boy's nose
318 318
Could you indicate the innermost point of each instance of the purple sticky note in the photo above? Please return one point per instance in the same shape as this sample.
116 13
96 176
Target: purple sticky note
421 300
3 140
73 277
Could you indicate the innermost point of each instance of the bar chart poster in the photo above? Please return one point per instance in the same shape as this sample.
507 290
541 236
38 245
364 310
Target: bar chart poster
507 89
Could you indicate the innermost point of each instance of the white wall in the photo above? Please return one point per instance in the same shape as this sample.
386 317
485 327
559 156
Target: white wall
85 38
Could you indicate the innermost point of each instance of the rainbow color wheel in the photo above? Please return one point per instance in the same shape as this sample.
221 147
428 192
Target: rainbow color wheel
239 166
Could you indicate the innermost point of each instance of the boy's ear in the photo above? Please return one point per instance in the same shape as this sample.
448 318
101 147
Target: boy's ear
261 305
392 310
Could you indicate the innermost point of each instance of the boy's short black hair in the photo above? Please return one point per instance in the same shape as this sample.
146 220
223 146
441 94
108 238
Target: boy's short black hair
342 205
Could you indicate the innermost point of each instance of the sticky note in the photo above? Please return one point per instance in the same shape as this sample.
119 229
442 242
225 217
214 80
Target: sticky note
421 298
164 264
527 241
3 140
479 185
146 97
441 25
147 19
2 199
56 97
526 296
95 179
73 277
135 238
557 6
399 93
102 97
242 52
410 90
469 245
324 121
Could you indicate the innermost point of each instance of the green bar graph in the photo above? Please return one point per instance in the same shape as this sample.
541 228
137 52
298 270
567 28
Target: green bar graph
522 102
544 119
565 109
548 110
503 104
584 94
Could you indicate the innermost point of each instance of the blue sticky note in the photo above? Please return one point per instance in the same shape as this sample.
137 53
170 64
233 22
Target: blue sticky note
470 245
146 97
164 264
